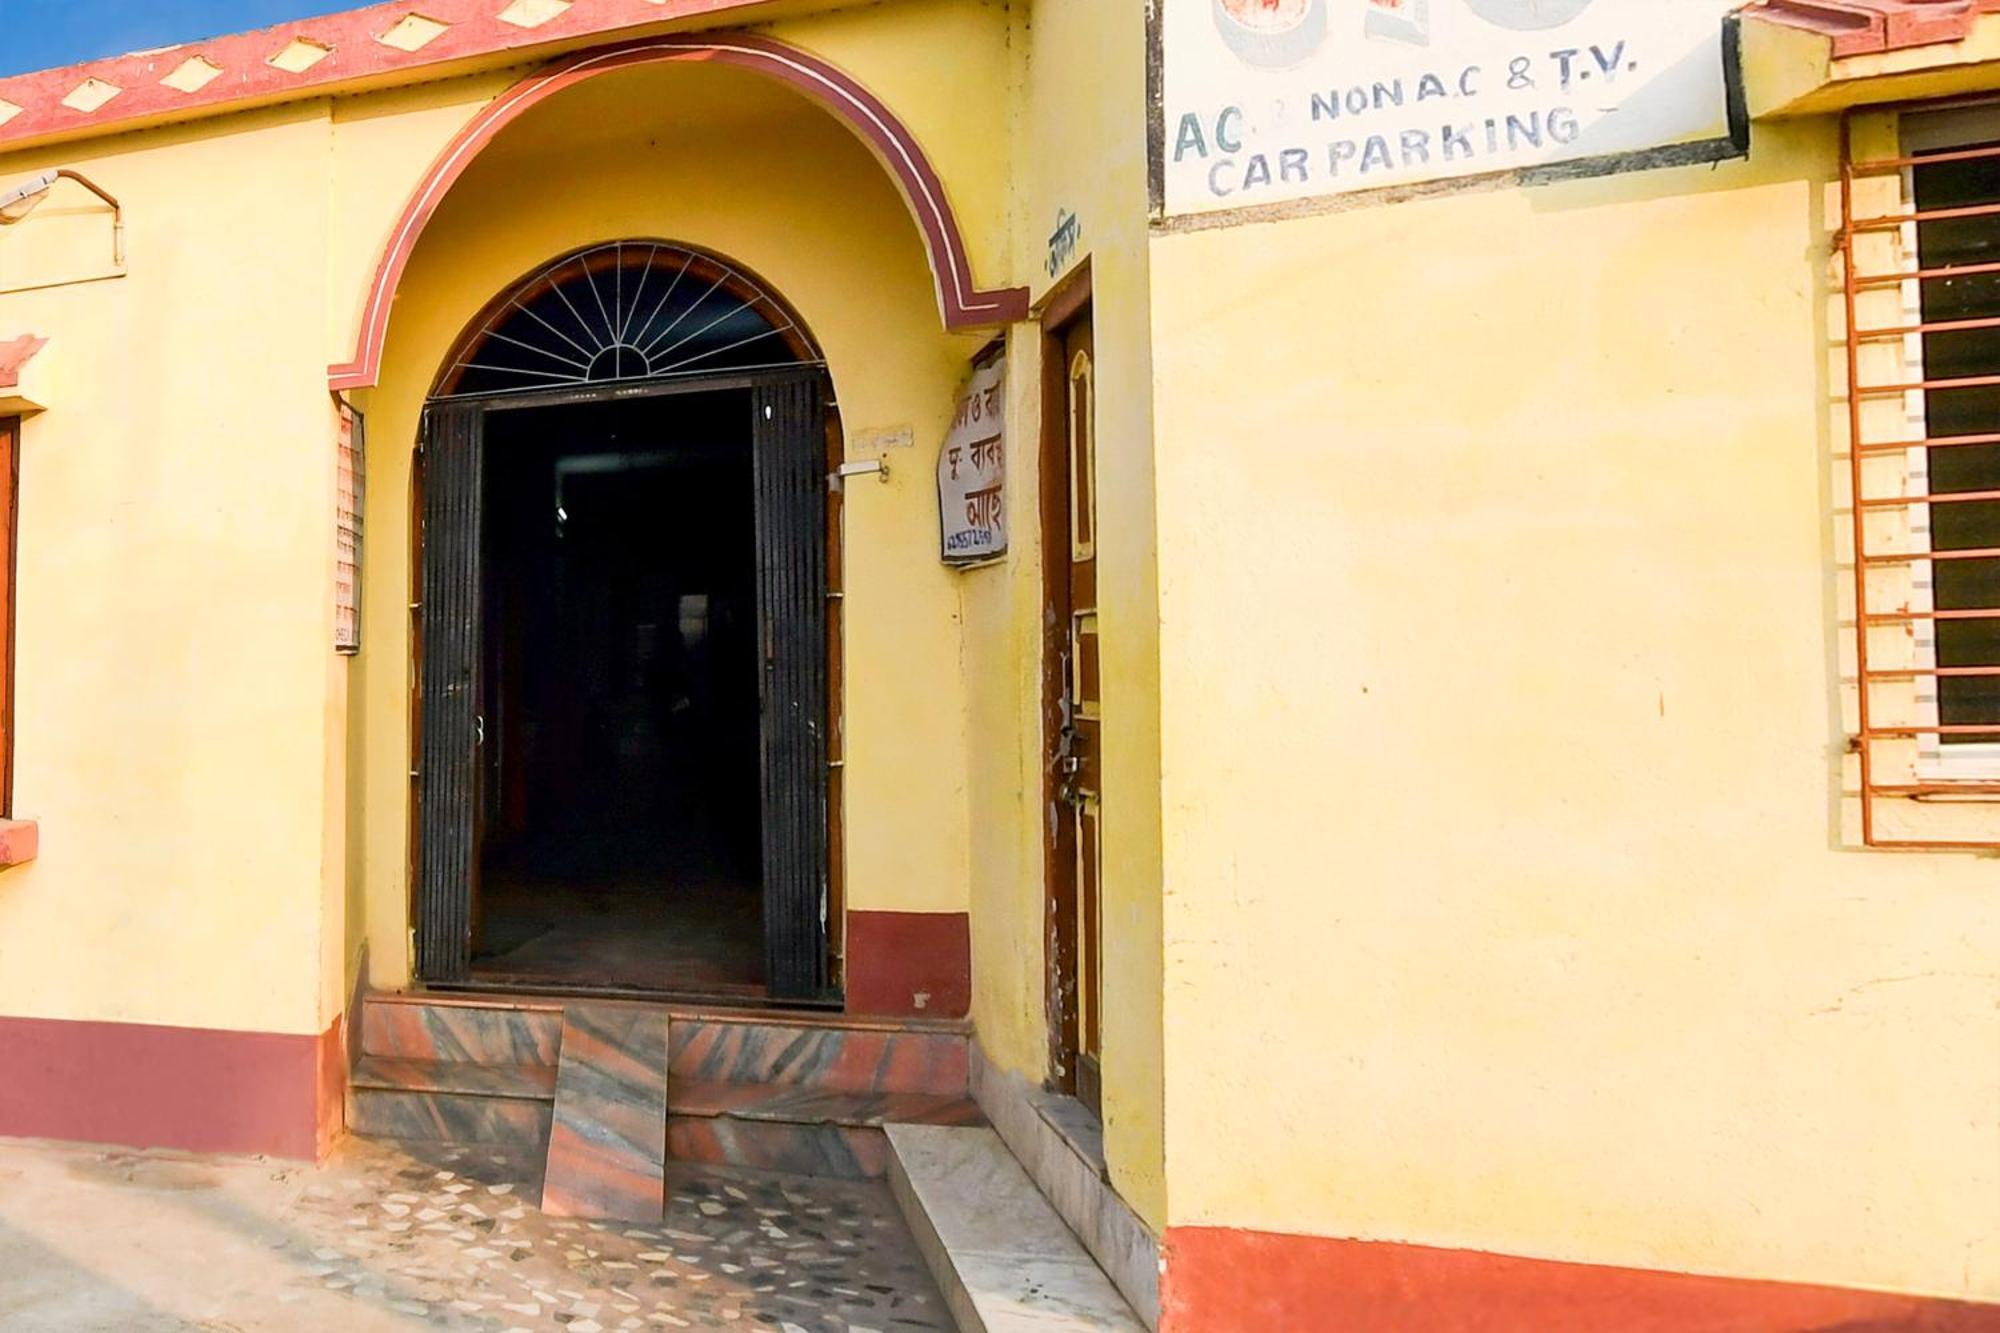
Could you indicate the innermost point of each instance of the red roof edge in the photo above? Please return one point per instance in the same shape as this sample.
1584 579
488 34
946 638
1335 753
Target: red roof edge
15 354
1866 27
390 39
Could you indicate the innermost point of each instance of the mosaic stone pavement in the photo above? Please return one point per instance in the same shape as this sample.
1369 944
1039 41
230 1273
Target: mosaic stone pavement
425 1236
448 1228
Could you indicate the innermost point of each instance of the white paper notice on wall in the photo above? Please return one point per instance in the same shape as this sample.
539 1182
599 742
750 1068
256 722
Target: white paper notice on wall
972 470
1272 101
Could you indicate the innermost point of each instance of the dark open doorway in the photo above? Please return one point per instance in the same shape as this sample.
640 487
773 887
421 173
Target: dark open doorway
629 705
626 709
621 806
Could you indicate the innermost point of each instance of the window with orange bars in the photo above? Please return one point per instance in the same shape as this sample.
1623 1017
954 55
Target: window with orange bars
1919 254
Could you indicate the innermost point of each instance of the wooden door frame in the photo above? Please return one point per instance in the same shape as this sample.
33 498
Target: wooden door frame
1066 304
665 386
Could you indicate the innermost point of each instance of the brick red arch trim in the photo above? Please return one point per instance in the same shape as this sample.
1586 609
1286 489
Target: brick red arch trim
962 303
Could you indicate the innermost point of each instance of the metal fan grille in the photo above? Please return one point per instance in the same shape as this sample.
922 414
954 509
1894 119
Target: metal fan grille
626 311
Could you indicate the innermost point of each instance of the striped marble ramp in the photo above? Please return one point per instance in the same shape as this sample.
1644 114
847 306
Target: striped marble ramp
608 1146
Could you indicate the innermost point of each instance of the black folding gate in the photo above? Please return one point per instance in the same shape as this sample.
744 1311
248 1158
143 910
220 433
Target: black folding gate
791 612
454 452
788 439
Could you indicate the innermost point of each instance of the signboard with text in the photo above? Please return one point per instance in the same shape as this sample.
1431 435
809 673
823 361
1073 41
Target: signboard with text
972 470
1273 101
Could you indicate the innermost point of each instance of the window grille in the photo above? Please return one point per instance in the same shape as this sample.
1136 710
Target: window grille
1919 254
623 312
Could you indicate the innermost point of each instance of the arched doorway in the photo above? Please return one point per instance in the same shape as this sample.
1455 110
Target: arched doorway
962 302
625 719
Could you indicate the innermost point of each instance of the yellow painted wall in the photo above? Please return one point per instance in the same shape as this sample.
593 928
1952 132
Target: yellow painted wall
1078 148
727 160
772 170
940 65
256 785
178 712
1475 864
1506 900
186 731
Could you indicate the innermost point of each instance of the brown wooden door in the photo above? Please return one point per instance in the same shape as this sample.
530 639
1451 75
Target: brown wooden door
1076 853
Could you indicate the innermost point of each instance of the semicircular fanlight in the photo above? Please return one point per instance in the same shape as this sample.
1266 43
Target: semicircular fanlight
629 310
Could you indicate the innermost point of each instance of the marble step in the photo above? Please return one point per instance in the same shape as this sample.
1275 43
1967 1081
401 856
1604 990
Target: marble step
801 1129
533 1082
817 1106
406 1027
840 1055
1003 1258
721 1046
805 1093
451 1101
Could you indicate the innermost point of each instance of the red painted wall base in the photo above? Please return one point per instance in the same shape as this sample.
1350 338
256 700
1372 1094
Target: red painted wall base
1221 1280
20 841
909 964
197 1089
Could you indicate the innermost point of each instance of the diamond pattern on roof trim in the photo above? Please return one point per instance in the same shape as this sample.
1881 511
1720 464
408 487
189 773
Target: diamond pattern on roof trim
300 55
90 95
413 32
534 13
192 75
404 38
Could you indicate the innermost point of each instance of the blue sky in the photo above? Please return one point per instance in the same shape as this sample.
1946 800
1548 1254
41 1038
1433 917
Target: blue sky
38 34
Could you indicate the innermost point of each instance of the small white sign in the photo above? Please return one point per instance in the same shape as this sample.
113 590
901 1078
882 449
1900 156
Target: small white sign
887 437
972 470
1269 101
